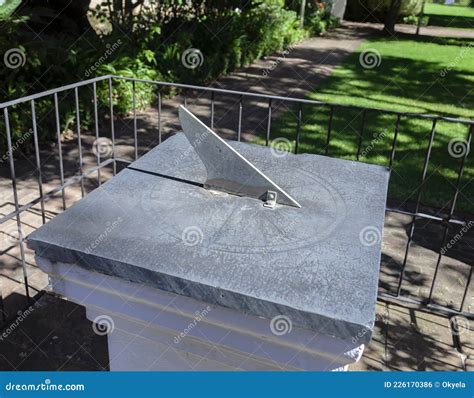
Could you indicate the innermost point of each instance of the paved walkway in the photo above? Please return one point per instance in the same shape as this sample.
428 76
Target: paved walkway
58 336
406 339
426 31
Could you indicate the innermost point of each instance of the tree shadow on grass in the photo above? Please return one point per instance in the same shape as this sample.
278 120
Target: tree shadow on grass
450 21
371 135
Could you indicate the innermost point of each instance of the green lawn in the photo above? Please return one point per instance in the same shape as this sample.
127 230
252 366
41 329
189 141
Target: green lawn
409 79
453 16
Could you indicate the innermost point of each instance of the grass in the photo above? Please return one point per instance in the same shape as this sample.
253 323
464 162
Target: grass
452 16
408 79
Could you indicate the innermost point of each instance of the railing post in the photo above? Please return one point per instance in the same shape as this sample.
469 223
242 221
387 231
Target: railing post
60 148
96 123
79 139
38 160
112 127
15 199
420 192
269 123
328 135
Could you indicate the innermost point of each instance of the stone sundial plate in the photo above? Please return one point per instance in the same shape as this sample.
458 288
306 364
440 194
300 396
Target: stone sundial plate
169 232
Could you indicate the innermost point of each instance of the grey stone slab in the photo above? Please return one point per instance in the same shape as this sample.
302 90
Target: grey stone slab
307 263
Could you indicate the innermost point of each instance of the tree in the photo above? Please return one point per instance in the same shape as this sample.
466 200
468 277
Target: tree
55 15
392 17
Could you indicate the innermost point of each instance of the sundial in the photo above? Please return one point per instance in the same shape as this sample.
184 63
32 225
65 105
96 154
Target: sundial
227 170
231 224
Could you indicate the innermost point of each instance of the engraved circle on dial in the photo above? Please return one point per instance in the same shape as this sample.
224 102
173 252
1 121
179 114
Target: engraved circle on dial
239 225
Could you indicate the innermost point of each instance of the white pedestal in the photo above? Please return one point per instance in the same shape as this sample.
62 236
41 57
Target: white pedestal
150 329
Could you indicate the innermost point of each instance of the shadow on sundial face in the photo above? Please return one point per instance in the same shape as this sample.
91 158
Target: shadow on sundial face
226 223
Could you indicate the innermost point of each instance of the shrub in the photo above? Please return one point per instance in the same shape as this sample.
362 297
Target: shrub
155 45
375 10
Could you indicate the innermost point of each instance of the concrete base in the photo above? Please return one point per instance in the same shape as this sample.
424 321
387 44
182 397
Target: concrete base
149 329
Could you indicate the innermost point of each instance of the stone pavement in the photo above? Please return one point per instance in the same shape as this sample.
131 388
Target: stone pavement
427 31
405 339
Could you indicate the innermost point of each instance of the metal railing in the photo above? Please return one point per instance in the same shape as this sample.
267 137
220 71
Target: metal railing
416 213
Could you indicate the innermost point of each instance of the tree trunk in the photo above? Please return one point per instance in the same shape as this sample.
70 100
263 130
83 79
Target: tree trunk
392 17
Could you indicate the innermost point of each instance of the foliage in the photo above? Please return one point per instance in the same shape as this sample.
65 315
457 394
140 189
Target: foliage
414 19
376 10
451 16
7 9
144 39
